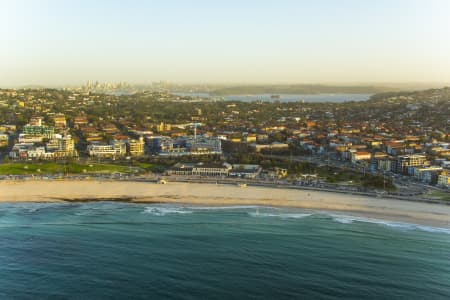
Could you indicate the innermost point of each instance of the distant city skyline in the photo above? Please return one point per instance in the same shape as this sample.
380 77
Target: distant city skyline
67 43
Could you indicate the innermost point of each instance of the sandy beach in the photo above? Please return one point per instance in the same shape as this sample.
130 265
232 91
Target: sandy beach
222 195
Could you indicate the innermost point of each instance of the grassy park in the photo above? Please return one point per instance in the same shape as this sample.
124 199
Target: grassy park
36 168
441 195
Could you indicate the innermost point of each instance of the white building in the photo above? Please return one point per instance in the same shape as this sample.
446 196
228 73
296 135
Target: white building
20 150
113 150
427 174
30 151
200 169
211 169
26 138
245 170
39 153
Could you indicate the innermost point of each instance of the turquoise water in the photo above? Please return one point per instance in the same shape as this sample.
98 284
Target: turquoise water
139 251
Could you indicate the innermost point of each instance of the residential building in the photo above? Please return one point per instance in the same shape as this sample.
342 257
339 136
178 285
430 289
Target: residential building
444 179
80 121
39 153
67 144
136 147
200 145
386 164
4 139
275 146
20 150
262 138
26 138
52 144
10 128
203 145
29 151
402 162
65 147
360 155
249 138
428 174
39 130
36 121
60 121
163 127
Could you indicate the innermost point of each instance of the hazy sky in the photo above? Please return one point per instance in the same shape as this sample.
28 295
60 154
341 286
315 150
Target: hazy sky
69 42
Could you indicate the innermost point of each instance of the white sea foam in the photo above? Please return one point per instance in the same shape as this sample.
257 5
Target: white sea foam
28 207
345 219
103 205
280 215
274 211
433 229
231 207
162 211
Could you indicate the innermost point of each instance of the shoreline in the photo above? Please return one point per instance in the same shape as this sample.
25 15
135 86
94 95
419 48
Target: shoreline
201 194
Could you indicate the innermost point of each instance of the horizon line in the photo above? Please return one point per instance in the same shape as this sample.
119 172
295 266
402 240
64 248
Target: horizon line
235 84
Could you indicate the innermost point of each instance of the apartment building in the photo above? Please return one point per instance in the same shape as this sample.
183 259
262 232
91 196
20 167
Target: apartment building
403 162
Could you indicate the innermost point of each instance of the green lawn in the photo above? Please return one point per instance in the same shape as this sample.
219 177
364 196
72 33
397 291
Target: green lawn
439 195
149 167
59 168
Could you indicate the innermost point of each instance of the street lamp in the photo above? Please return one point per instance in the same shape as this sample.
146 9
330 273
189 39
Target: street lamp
129 163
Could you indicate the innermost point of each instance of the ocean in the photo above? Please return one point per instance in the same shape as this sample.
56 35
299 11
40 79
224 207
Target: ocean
110 250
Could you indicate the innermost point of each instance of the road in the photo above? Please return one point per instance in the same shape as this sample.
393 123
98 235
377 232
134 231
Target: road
404 183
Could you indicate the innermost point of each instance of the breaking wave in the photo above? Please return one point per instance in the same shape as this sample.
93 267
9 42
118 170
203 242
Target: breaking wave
231 207
345 219
162 211
280 215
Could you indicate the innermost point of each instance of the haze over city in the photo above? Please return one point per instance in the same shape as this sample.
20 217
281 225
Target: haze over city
57 43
